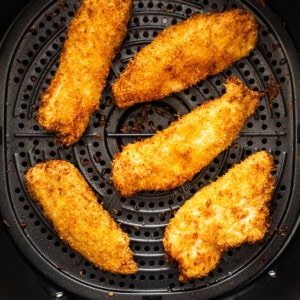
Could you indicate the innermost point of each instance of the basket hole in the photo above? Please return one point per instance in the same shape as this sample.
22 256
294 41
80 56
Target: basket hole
228 73
283 188
179 199
193 191
156 248
161 204
150 5
161 262
52 153
151 204
170 202
206 177
33 31
188 12
152 263
142 263
161 277
156 234
233 156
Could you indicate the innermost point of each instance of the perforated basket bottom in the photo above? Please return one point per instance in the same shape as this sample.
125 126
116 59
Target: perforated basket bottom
33 63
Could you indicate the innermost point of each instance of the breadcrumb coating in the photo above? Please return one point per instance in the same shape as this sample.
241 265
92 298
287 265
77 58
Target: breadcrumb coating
80 221
226 213
185 53
94 37
175 154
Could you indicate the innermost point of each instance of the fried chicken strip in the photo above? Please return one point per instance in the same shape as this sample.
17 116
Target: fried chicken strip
175 154
93 38
227 213
183 54
80 221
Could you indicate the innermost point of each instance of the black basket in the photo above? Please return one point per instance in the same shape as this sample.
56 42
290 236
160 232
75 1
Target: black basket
29 59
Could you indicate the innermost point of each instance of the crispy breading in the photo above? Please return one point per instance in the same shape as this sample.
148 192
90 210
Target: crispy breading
93 39
175 154
226 213
80 221
183 54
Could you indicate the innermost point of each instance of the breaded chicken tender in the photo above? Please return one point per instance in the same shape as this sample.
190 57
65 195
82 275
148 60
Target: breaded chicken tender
93 39
183 54
175 154
80 221
226 213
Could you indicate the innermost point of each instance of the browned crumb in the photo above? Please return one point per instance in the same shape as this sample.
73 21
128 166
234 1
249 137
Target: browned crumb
224 214
93 39
185 53
80 221
174 155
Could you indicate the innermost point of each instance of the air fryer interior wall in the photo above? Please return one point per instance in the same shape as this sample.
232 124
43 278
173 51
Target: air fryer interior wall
144 216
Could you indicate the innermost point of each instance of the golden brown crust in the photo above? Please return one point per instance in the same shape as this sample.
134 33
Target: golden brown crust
72 207
183 54
176 154
93 38
226 213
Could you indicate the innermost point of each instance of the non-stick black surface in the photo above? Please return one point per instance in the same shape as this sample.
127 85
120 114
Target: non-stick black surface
31 67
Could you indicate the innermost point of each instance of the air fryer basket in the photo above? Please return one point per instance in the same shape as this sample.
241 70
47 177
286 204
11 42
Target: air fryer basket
29 59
